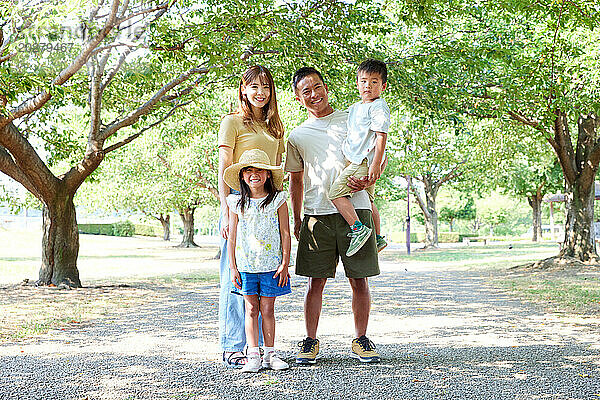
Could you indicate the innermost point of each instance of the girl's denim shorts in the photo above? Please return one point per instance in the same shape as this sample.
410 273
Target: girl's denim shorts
263 284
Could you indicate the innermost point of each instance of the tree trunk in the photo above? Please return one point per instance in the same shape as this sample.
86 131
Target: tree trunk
451 222
535 201
580 166
187 217
60 243
431 223
429 211
579 227
166 225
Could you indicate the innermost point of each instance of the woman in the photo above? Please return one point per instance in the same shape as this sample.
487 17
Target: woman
255 125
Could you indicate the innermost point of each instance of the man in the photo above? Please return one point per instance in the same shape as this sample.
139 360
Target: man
314 159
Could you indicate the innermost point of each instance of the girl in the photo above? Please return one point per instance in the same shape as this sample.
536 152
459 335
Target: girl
255 125
258 249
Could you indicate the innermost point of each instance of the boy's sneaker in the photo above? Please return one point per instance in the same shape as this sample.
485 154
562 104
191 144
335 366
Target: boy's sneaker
271 361
364 350
252 365
381 243
309 348
359 238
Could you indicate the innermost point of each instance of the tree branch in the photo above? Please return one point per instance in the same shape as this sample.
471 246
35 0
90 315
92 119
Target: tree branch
42 98
453 174
162 6
8 166
7 57
147 107
419 198
132 137
27 160
564 147
136 37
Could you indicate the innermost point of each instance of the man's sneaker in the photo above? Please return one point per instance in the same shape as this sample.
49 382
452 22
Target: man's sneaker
252 365
271 361
381 243
364 350
309 348
359 238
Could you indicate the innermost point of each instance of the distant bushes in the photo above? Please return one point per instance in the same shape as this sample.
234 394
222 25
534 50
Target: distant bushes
121 228
443 237
148 230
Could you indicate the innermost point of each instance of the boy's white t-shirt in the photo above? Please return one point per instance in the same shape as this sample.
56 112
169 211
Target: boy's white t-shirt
258 241
364 119
315 147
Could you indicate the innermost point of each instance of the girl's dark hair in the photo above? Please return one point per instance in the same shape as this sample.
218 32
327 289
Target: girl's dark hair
245 191
270 110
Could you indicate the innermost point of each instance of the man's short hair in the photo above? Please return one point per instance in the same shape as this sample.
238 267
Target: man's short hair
303 73
372 66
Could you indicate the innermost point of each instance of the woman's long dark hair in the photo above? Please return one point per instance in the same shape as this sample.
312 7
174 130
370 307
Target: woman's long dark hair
245 191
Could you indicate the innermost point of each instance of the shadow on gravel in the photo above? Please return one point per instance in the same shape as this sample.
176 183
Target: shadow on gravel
530 372
441 336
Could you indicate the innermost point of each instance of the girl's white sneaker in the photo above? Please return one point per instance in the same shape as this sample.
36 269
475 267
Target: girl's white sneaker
252 365
271 361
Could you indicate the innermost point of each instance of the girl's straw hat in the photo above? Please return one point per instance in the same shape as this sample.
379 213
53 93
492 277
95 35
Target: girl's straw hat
252 158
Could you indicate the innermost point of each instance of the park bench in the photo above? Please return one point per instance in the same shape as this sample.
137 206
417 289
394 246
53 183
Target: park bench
483 239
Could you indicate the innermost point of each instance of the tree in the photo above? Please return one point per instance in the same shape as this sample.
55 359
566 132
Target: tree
501 213
531 171
173 167
456 205
130 65
530 62
436 152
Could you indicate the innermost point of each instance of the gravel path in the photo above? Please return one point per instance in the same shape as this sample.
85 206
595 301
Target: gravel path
442 335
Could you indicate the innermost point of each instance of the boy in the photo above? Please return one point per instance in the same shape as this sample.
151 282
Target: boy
364 149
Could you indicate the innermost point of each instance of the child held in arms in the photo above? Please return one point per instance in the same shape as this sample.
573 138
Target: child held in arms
364 149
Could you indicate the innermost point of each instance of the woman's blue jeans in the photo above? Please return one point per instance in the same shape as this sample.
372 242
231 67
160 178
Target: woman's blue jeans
231 309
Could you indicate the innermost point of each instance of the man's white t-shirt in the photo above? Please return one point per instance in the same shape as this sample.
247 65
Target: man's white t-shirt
315 147
364 120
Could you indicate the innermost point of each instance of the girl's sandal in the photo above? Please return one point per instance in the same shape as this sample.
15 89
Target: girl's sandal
235 359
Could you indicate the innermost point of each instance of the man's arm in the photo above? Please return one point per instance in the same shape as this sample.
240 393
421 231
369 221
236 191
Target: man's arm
296 197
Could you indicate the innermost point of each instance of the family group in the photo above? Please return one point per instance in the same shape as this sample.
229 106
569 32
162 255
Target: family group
333 160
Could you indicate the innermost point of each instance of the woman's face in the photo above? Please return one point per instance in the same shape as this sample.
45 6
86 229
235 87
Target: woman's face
258 93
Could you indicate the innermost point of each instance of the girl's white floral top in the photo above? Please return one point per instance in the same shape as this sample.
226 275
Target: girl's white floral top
258 241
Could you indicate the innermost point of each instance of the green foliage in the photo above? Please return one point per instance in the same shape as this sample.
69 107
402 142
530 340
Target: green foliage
148 230
172 167
443 237
529 167
455 205
502 215
122 228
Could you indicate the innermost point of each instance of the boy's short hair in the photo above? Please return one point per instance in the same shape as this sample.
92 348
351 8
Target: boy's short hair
372 66
303 73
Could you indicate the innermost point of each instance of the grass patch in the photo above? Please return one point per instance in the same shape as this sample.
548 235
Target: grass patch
571 290
567 293
188 278
477 256
149 266
29 311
